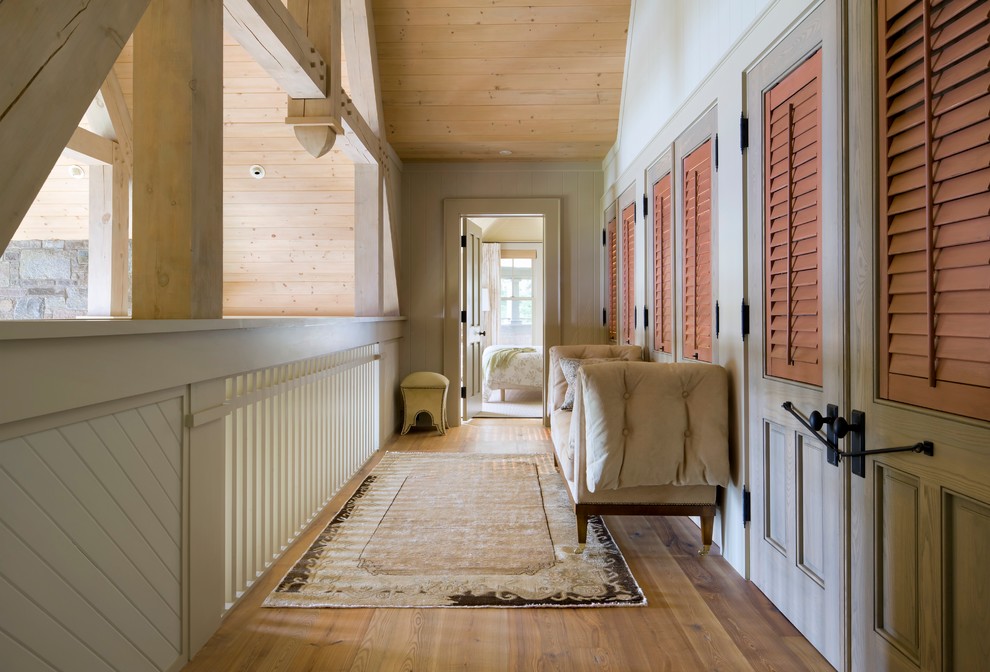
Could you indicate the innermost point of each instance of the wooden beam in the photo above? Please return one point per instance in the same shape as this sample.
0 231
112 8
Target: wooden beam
363 144
43 48
358 30
390 229
120 117
178 161
109 117
109 210
268 32
88 147
321 21
99 118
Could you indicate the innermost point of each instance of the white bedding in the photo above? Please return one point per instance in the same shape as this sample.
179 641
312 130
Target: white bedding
518 371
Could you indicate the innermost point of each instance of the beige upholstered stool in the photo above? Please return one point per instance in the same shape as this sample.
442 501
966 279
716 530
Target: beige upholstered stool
424 391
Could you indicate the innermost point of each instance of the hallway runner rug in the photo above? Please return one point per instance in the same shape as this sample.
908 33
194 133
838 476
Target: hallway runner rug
459 530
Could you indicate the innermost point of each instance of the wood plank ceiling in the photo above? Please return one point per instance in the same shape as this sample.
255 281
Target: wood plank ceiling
473 79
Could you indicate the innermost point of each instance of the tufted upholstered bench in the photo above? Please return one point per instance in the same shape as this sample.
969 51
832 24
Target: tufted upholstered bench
424 392
643 438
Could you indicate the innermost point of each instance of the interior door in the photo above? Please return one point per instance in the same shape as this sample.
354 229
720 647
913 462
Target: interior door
472 330
795 353
921 523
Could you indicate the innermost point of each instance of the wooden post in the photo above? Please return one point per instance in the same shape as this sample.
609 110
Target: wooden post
109 211
178 143
100 227
204 520
368 193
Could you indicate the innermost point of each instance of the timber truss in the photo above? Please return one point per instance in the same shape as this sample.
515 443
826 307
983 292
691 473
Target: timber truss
59 58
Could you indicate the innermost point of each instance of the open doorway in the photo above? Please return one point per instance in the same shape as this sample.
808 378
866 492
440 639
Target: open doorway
502 313
512 316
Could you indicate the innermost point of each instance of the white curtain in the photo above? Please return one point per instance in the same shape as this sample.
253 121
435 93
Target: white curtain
490 261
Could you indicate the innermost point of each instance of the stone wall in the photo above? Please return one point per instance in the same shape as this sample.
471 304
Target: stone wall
44 279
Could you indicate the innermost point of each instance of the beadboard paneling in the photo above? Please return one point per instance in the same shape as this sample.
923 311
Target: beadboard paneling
90 535
425 186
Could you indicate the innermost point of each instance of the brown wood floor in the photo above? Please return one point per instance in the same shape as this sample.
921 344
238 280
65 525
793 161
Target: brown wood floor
701 616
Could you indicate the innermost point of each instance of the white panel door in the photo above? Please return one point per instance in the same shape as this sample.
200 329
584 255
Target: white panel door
796 345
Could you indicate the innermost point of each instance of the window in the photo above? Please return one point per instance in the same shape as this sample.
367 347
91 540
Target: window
516 296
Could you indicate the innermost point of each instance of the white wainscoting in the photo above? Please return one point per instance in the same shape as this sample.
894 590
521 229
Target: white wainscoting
150 472
91 541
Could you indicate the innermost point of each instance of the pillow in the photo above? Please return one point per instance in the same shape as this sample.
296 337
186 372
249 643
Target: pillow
569 366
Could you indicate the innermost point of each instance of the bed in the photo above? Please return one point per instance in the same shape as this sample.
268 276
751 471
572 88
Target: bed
510 367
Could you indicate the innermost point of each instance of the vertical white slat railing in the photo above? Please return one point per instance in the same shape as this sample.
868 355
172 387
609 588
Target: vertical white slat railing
295 434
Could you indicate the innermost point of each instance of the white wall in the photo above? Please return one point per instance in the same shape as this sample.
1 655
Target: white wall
674 45
673 76
424 188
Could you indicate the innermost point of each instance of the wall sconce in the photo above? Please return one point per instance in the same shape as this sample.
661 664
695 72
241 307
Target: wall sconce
77 172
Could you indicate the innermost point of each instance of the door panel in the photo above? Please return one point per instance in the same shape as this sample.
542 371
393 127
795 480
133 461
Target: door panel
811 502
920 274
472 331
795 251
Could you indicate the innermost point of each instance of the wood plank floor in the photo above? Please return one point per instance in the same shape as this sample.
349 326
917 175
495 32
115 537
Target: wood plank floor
701 614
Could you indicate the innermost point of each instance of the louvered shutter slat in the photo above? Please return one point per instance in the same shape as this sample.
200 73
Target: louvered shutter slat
935 219
662 295
613 270
628 272
697 301
792 255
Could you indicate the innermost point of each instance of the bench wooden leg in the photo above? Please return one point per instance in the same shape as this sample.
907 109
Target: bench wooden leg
707 528
582 525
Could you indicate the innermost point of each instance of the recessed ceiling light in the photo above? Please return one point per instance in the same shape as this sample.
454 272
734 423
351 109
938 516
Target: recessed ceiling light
505 152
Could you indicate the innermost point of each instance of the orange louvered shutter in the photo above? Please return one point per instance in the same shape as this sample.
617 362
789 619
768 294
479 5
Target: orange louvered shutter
612 250
697 292
935 206
628 273
792 225
663 316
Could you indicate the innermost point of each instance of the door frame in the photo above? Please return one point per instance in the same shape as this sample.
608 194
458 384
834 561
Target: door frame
454 210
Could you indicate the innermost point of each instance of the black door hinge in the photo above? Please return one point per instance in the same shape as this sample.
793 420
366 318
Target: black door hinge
745 319
463 317
717 320
716 152
646 206
635 317
646 317
747 507
603 237
604 317
463 393
743 132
